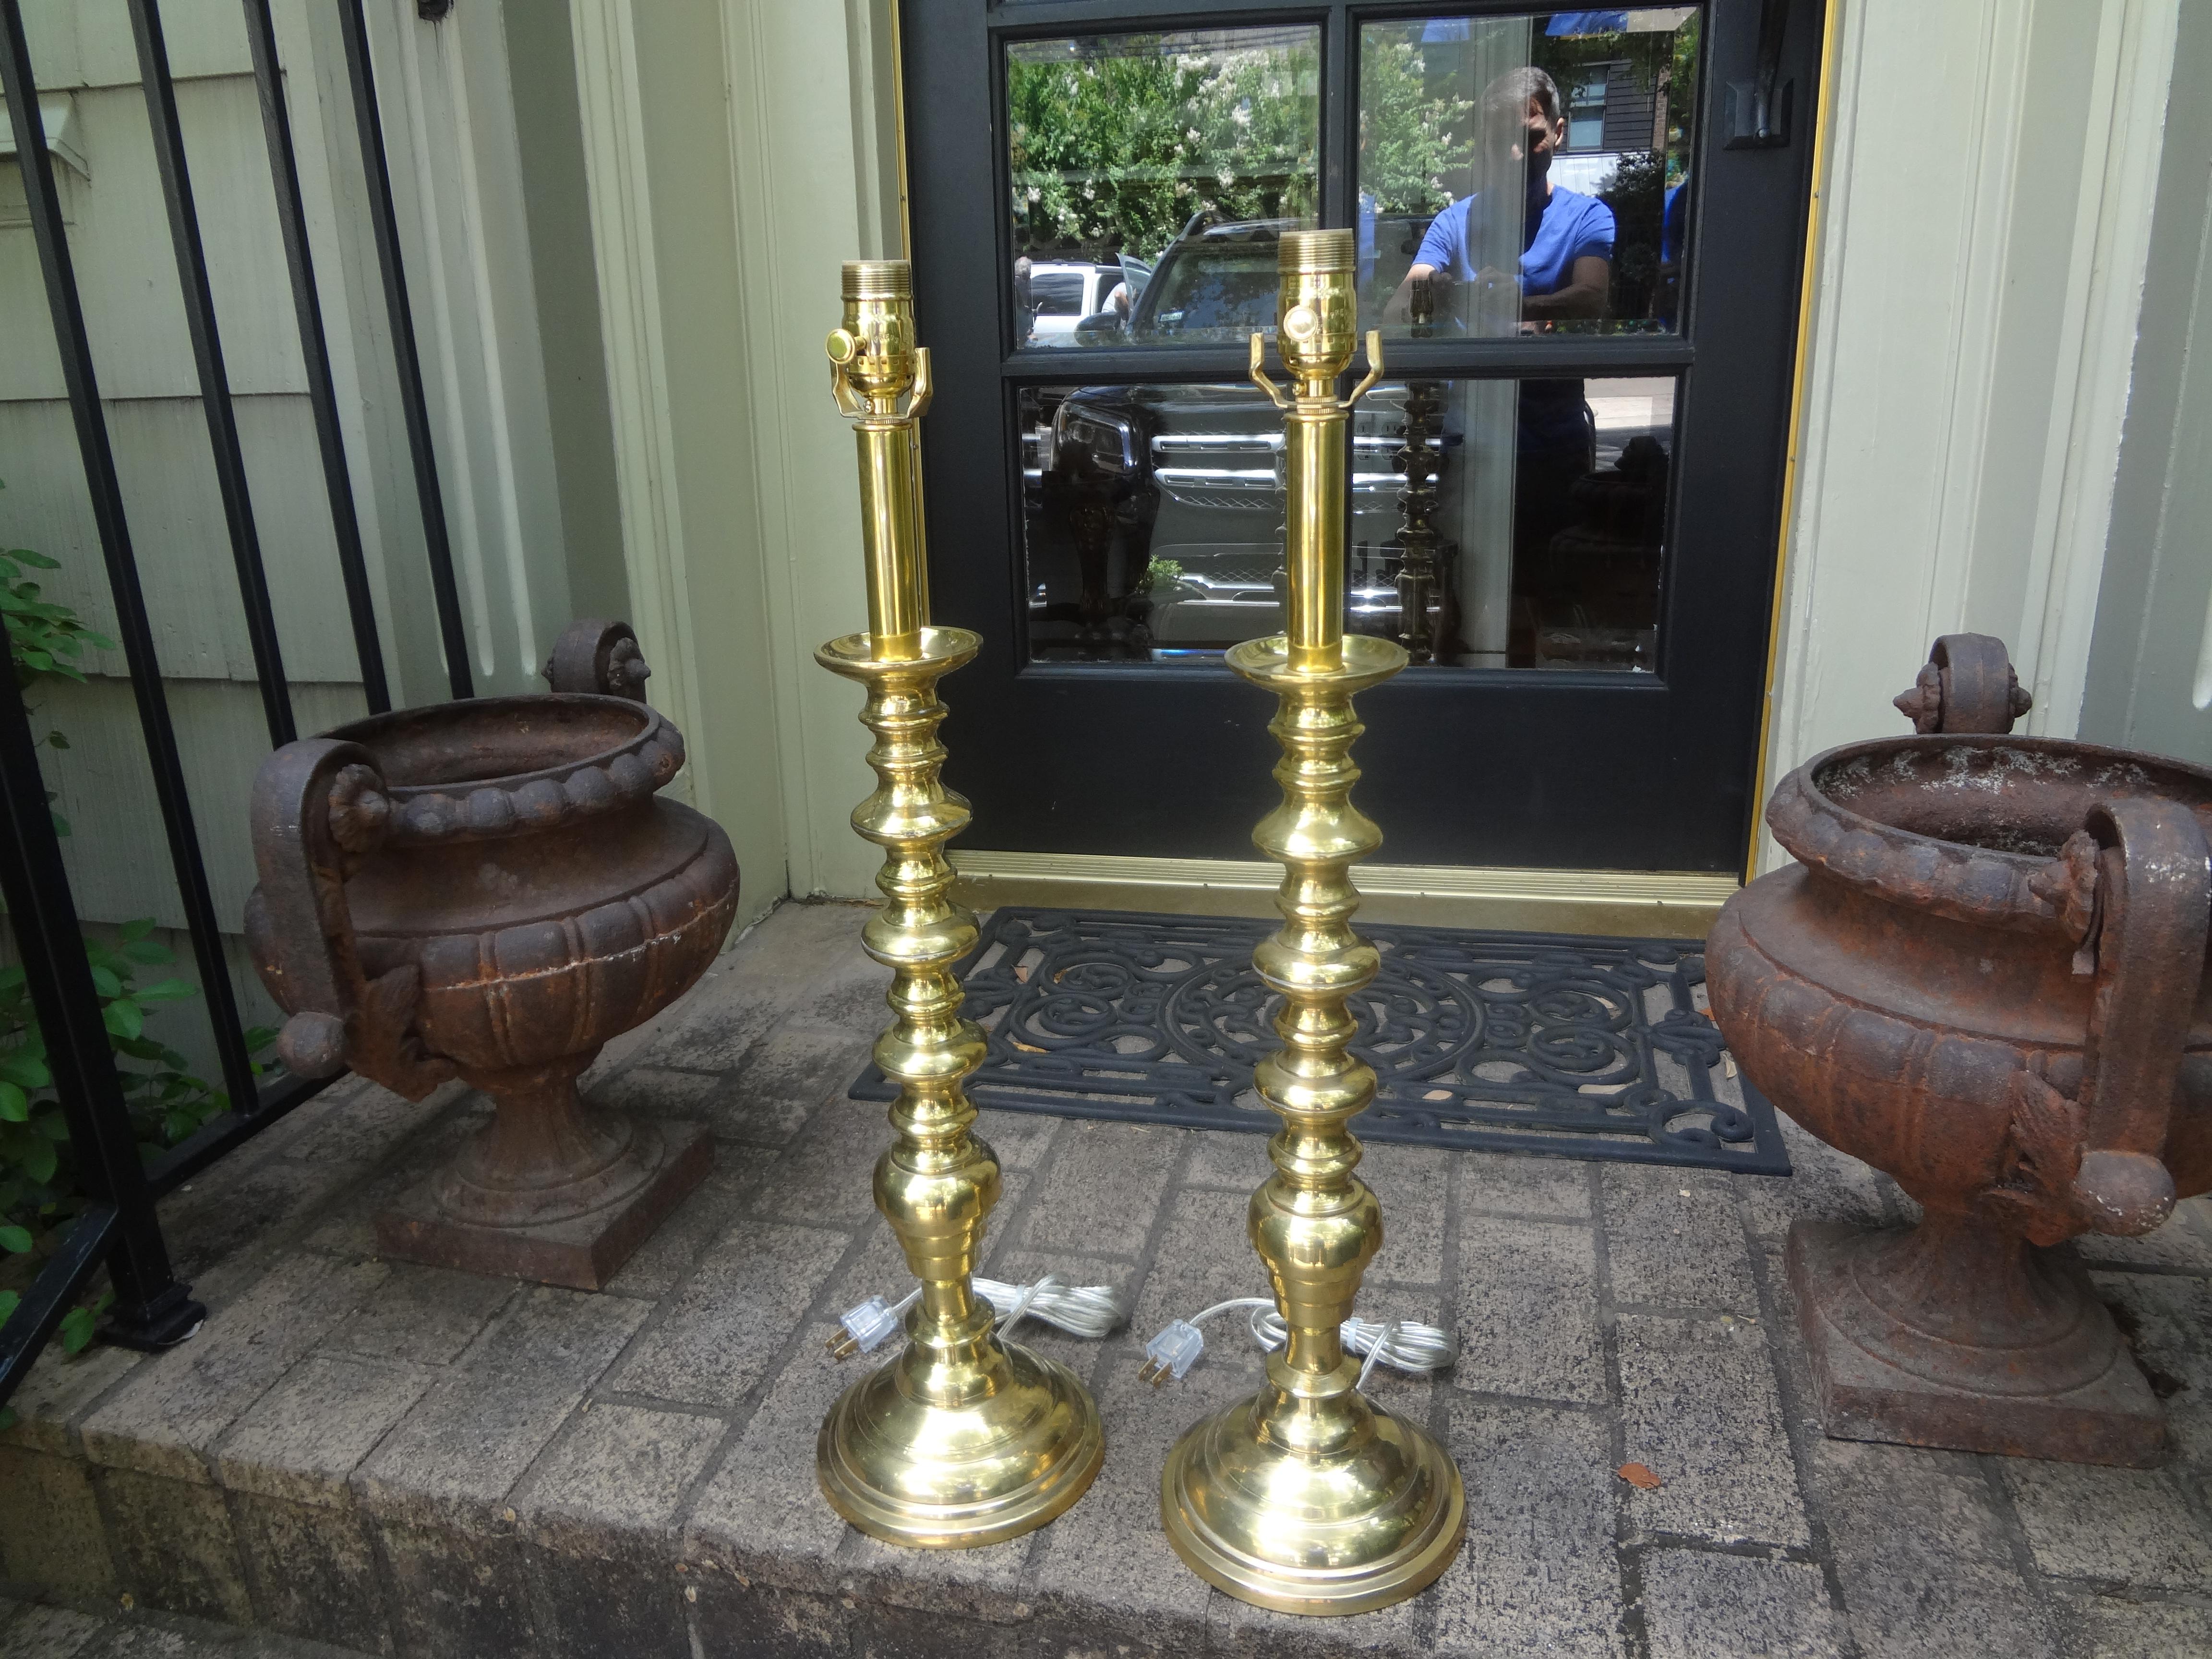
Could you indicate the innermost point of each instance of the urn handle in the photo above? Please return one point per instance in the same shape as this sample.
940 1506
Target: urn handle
318 806
597 656
2143 937
1968 685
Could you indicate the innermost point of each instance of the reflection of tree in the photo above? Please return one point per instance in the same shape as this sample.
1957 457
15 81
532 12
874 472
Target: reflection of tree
1114 154
1410 141
1638 196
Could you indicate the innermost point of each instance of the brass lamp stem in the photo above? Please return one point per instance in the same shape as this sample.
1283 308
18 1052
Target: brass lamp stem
1307 1497
962 1439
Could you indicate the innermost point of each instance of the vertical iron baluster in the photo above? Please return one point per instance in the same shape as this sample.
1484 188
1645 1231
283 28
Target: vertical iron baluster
207 355
314 349
75 349
451 627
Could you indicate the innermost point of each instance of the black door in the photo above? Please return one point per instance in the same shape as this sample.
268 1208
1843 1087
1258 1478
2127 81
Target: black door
1566 493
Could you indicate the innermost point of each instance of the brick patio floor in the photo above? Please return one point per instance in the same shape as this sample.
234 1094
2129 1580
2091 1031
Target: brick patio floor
388 1458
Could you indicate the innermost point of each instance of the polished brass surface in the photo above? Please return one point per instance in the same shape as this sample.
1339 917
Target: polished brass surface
1625 903
873 364
962 1439
1308 1498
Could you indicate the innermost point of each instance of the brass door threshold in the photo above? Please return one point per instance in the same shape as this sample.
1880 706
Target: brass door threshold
1622 904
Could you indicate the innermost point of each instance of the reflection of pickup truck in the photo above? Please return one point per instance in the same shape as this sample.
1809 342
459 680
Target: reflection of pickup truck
1215 282
1190 477
1218 282
1062 295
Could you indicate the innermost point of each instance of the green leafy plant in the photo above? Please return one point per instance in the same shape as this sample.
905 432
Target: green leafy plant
1158 573
45 640
1410 141
41 1192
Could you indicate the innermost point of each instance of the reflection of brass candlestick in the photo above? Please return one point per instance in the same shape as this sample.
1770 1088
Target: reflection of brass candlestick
962 1439
1420 460
1307 1497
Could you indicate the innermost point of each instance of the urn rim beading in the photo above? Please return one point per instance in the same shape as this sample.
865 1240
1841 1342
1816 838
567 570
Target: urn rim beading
610 777
1984 885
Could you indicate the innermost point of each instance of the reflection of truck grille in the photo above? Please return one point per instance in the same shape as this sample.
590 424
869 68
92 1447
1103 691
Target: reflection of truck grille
1259 569
1237 502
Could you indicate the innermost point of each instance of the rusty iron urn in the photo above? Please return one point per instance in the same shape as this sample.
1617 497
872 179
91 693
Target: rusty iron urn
492 889
1985 975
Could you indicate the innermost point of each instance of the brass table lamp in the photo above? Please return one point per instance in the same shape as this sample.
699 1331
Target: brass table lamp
963 1440
1307 1497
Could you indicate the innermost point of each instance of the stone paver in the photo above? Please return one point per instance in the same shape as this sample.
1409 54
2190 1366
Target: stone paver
618 1468
1528 1310
727 1327
391 1459
1540 1559
1924 1555
55 1633
2133 1527
1700 1410
164 1419
1697 1604
424 1314
1101 1187
304 1437
1675 1241
471 1437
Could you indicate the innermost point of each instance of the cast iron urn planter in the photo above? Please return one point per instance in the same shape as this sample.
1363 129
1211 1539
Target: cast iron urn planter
1985 975
492 889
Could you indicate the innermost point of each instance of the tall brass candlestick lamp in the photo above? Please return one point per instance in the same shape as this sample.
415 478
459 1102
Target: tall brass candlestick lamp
962 1439
1308 1498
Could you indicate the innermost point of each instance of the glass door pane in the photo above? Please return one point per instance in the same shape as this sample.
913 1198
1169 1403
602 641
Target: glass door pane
1524 520
1150 175
1526 175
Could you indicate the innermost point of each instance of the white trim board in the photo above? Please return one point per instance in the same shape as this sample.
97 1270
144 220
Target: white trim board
1986 221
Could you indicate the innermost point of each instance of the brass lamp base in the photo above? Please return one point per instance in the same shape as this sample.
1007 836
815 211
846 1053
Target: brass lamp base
1359 1516
910 1471
1306 1499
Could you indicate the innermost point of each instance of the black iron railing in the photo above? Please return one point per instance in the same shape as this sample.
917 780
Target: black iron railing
119 1228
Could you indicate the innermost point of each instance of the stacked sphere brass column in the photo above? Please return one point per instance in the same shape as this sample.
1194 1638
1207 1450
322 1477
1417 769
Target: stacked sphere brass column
1307 1497
962 1439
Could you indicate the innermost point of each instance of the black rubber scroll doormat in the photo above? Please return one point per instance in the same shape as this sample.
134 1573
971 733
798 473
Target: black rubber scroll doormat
1529 1043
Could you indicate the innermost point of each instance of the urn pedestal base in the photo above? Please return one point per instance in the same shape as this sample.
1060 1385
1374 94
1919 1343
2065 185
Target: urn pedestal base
574 1226
2028 1363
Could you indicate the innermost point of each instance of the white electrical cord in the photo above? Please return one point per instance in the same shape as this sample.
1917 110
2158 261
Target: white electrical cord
1090 1311
1404 1344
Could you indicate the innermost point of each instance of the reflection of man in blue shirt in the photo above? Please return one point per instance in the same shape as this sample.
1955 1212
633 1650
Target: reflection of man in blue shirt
1566 237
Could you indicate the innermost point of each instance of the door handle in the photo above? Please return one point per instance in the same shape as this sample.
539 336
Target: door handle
1758 116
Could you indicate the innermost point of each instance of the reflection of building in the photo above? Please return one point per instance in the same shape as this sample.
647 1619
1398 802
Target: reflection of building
1618 105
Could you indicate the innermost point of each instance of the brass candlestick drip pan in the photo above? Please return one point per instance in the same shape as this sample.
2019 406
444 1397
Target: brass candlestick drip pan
963 1440
1308 1498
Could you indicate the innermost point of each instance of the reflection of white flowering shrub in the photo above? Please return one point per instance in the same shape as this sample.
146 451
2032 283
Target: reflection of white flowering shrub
1115 154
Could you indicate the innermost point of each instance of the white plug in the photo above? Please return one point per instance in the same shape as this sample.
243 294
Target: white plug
1172 1353
867 1328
